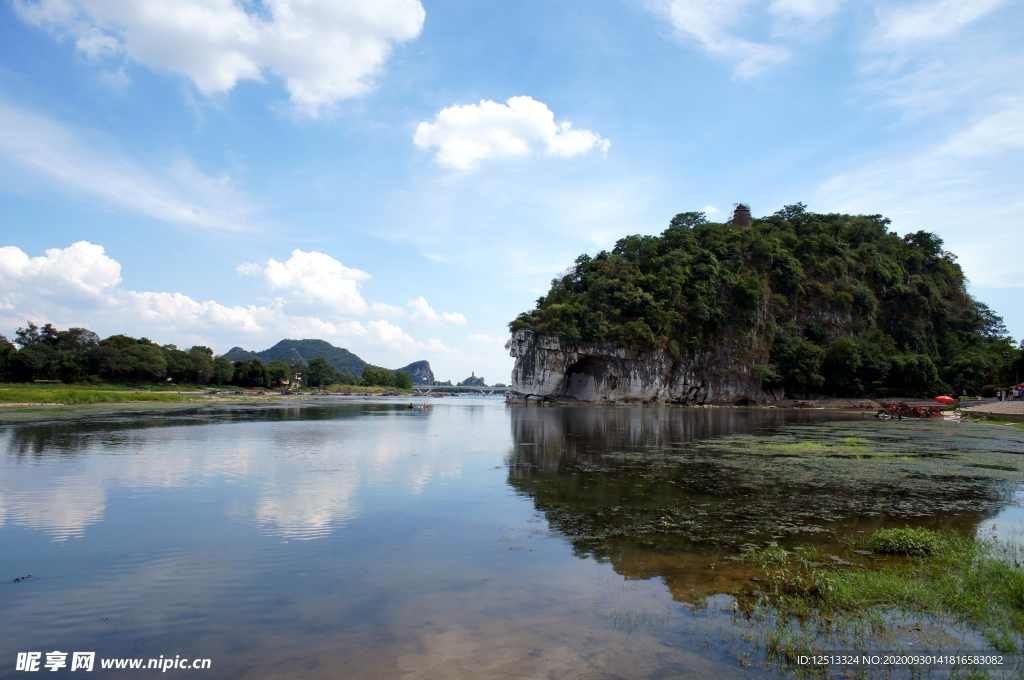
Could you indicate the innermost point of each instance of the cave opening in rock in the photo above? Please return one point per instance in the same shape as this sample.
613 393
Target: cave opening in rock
588 379
743 402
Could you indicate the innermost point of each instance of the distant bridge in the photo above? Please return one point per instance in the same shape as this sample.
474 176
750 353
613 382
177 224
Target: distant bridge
460 389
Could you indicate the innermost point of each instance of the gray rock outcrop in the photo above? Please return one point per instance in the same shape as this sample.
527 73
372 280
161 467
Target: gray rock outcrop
547 370
420 372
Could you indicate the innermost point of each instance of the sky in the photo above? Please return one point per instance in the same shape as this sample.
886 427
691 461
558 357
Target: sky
403 177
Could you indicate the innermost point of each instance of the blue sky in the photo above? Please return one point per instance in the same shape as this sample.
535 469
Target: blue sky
402 177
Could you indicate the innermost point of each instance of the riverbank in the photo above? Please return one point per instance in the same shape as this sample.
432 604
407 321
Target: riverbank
28 395
1012 411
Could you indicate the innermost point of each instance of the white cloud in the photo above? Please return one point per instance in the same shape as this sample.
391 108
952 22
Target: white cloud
382 309
488 339
964 187
713 24
804 10
324 50
466 135
424 313
758 34
394 337
179 194
996 133
930 19
80 269
50 288
710 210
315 279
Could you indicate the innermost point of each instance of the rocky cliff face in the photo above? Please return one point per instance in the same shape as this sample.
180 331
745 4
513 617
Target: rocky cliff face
546 370
420 372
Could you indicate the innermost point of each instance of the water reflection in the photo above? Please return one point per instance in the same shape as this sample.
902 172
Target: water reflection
305 462
672 492
342 539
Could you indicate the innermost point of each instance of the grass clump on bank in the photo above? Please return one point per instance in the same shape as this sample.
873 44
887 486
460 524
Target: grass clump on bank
943 575
906 541
76 397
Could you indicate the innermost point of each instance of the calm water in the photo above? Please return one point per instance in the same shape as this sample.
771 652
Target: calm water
466 539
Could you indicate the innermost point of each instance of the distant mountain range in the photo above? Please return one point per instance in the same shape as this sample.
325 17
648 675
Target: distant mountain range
294 351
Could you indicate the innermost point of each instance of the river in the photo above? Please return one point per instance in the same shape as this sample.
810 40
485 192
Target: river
460 538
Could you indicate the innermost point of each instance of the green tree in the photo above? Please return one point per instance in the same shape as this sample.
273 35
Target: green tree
798 361
403 380
7 352
319 373
223 371
147 362
378 377
202 364
179 363
251 373
280 372
915 375
841 367
108 363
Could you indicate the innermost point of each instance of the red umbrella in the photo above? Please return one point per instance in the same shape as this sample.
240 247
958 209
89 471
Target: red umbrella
945 399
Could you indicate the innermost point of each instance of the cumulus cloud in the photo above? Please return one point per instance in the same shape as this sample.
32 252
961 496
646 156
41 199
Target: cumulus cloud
466 135
424 313
81 269
179 194
323 50
315 279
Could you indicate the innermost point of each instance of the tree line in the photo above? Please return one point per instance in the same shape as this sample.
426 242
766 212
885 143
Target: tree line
320 373
78 355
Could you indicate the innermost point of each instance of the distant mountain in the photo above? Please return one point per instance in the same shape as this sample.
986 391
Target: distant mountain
420 372
294 351
239 354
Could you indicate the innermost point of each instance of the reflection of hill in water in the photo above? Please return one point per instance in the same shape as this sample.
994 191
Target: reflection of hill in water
671 491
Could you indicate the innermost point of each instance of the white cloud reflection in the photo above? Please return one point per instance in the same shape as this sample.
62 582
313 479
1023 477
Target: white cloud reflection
305 479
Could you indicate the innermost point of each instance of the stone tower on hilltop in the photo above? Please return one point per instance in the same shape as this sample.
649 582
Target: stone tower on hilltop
741 216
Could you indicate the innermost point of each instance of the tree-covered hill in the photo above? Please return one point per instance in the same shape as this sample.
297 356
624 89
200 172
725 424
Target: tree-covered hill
846 306
293 352
303 351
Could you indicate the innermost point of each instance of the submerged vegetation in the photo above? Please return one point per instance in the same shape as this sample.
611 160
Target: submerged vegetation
952 579
790 539
843 305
